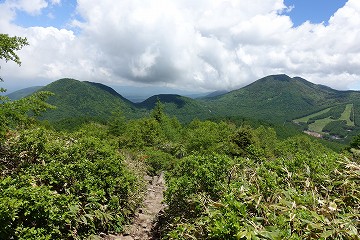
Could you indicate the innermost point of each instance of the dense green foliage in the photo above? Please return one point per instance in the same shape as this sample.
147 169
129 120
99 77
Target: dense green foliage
15 114
63 186
185 109
303 192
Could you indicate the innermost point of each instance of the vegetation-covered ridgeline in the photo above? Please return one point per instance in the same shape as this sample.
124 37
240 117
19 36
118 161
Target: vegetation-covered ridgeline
276 99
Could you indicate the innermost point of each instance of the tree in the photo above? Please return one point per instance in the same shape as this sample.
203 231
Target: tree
8 46
117 123
15 113
158 111
355 143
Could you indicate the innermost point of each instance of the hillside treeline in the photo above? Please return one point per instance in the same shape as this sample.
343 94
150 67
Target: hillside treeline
224 181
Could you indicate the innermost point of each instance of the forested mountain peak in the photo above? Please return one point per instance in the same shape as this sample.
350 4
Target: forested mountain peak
284 82
76 99
279 98
178 100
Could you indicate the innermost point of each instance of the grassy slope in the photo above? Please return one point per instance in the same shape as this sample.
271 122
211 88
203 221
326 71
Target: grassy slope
319 124
307 118
347 114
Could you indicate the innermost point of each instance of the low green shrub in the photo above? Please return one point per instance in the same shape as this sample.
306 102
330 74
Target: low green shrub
305 192
64 187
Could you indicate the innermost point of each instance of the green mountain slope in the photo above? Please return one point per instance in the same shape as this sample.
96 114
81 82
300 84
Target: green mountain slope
75 99
184 108
278 98
23 92
109 90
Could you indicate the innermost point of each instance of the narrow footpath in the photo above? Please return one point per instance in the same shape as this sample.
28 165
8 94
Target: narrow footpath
147 215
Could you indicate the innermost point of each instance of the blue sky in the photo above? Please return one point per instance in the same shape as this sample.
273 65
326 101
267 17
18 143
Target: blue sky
315 11
57 15
60 15
201 45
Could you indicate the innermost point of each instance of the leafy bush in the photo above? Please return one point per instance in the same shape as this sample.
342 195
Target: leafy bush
355 143
305 192
207 136
16 114
141 133
196 175
157 161
64 186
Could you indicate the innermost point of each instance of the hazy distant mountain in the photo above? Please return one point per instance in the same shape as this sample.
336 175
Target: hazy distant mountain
140 94
23 92
215 94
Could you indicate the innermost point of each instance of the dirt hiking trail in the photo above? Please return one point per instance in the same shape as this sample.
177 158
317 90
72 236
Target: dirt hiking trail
146 216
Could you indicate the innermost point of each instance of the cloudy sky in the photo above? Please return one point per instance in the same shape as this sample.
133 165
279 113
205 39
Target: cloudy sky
200 45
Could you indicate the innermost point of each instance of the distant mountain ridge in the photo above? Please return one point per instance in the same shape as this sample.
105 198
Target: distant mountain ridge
23 92
275 99
215 94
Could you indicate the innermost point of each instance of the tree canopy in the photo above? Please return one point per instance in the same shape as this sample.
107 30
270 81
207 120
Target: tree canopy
8 46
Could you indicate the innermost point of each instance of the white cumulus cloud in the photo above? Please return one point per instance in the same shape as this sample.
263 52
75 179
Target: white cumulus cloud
33 7
203 44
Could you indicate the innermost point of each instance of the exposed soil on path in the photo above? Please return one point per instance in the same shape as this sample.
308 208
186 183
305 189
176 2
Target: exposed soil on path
145 219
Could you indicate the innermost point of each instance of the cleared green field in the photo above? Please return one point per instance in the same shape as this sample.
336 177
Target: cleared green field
319 125
306 118
346 115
